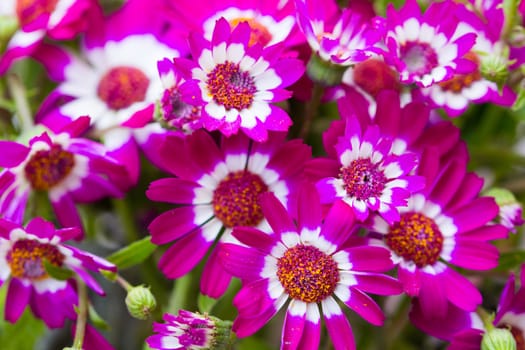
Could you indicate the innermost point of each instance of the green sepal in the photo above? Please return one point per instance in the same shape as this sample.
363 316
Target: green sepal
133 254
205 303
57 272
95 318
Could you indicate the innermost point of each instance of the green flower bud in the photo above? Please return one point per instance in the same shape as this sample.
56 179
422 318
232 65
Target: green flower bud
140 302
323 72
495 66
498 339
502 196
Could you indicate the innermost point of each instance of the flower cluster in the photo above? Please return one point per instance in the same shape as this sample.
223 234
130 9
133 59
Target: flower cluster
284 157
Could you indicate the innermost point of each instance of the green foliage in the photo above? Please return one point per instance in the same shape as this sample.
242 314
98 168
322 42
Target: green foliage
133 254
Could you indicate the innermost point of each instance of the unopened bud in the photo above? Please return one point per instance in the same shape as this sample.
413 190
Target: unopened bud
498 339
495 67
140 302
510 210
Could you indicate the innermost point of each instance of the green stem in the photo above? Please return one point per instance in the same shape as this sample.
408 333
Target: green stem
123 283
311 110
82 314
179 296
18 92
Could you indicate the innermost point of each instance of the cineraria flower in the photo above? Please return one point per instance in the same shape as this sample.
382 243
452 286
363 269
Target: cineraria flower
189 330
271 21
444 224
114 80
456 94
422 47
171 111
217 188
65 167
24 253
341 37
58 19
312 264
235 82
370 176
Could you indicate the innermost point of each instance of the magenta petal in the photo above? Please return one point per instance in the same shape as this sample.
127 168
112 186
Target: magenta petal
289 159
243 262
246 326
475 214
339 223
184 254
365 306
309 208
204 151
55 307
40 228
172 190
253 299
173 224
255 238
432 295
16 300
94 340
340 331
378 284
475 255
292 331
311 336
370 258
410 281
67 213
214 280
276 214
12 154
461 292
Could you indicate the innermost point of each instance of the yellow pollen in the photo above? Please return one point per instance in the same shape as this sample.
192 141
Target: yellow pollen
26 259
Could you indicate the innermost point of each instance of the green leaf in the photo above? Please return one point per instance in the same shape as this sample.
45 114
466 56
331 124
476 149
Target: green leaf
511 260
57 272
95 318
205 303
133 254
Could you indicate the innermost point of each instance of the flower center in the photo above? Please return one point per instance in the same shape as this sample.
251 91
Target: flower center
362 179
375 75
26 259
175 112
517 334
307 274
417 238
29 10
460 81
47 168
420 58
231 87
259 33
235 200
122 86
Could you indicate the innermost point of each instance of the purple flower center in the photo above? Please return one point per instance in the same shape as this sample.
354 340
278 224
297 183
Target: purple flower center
362 179
235 200
231 87
375 75
460 81
416 238
259 32
26 259
420 58
29 10
175 112
47 168
307 274
122 86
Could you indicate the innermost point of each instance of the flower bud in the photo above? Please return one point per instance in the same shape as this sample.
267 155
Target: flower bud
140 302
323 72
498 339
495 66
510 210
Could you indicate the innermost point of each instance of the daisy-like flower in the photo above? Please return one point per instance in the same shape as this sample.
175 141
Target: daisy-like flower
172 111
190 330
235 82
370 176
312 264
341 37
271 21
68 169
114 79
457 93
24 253
445 224
58 19
217 188
421 46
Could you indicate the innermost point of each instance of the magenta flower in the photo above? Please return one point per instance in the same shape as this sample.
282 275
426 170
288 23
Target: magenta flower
445 224
59 20
189 330
457 93
341 37
235 83
68 169
422 47
217 189
312 264
113 79
22 255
